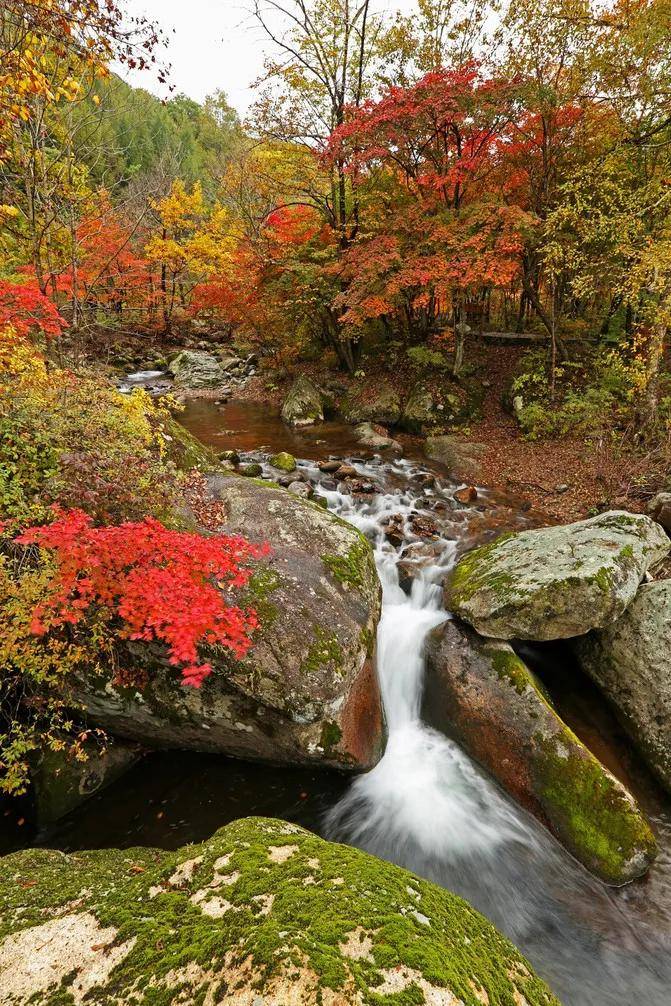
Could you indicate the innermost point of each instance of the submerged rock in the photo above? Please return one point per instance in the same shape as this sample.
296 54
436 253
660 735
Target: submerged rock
556 582
193 369
488 700
307 691
304 405
630 660
264 913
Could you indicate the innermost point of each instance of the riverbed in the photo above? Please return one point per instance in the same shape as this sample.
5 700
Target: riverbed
426 805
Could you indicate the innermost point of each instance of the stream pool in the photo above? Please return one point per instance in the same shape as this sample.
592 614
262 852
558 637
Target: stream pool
425 806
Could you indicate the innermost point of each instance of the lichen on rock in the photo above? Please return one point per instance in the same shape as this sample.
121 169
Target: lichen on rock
300 920
556 582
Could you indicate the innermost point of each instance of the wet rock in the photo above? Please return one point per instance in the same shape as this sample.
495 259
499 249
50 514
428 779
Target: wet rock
394 529
630 660
231 456
251 470
329 466
488 700
301 489
466 495
193 369
459 457
307 691
304 405
60 783
556 582
423 526
347 472
360 487
372 403
659 509
419 412
263 913
375 437
284 461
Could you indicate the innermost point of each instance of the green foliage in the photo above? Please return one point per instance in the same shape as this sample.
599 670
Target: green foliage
427 359
591 395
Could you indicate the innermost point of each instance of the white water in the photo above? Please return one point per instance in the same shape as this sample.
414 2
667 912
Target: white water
426 805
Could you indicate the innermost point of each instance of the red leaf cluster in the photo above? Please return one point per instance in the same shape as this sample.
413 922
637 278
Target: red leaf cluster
25 308
165 586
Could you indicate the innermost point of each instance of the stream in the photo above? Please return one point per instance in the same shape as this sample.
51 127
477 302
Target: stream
426 805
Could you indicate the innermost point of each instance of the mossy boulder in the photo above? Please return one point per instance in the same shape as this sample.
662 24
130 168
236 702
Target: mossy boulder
304 405
372 402
186 451
556 582
630 660
283 461
419 412
307 691
262 914
483 695
194 369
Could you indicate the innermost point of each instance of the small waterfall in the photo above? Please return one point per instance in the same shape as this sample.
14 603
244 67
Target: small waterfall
428 807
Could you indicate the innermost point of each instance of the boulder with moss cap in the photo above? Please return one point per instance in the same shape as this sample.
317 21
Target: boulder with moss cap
556 582
262 912
307 691
484 696
283 461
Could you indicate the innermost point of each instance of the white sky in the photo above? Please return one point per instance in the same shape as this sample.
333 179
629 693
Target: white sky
215 44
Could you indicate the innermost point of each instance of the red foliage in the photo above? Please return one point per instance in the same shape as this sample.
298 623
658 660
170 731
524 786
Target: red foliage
165 586
25 308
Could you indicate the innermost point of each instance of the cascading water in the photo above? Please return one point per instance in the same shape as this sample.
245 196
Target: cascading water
427 807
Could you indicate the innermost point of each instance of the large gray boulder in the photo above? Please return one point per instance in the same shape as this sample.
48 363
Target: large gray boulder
556 582
373 402
304 405
263 913
193 369
484 696
307 692
630 660
419 411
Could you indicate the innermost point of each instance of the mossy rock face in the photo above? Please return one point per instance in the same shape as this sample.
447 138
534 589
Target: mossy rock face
283 461
262 913
193 369
186 451
484 696
419 411
60 783
556 582
304 405
630 660
310 668
372 402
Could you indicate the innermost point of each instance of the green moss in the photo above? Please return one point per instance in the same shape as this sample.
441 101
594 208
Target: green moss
509 667
472 573
261 585
458 949
331 736
186 451
284 461
251 470
598 822
324 651
356 569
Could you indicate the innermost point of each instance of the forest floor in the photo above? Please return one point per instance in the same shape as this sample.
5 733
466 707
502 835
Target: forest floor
565 478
